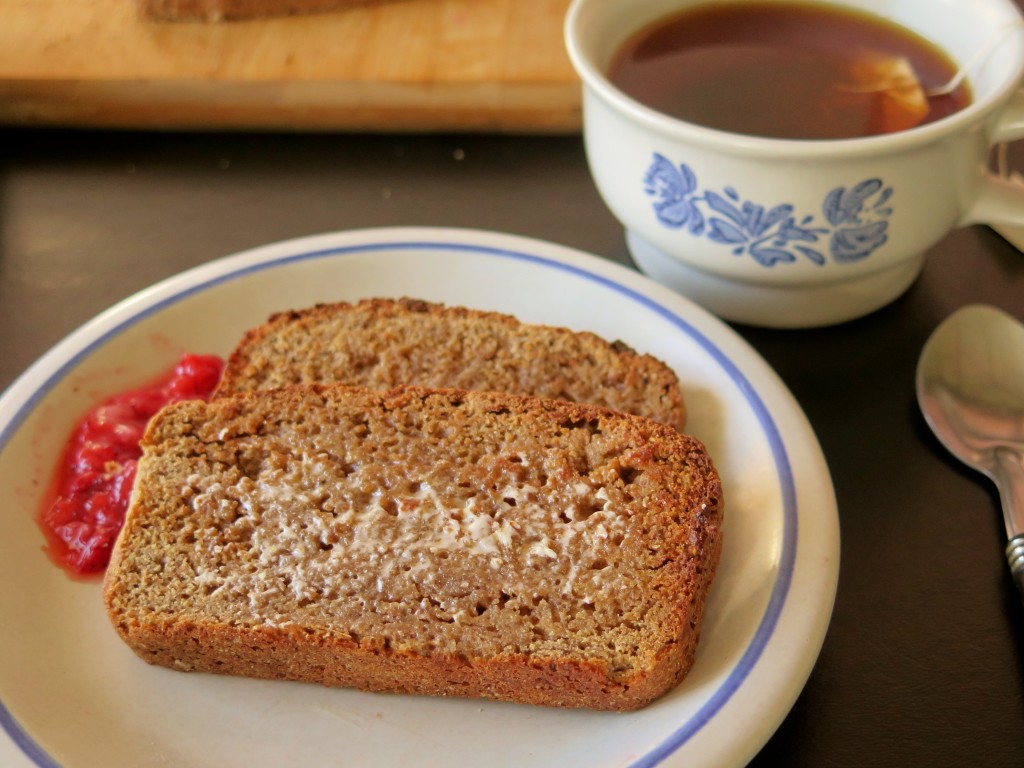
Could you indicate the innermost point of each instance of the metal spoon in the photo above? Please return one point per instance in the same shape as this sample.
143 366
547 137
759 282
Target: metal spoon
970 386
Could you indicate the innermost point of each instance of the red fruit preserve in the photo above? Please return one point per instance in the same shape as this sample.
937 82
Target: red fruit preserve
94 480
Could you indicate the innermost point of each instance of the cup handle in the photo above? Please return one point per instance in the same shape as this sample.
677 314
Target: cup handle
1001 201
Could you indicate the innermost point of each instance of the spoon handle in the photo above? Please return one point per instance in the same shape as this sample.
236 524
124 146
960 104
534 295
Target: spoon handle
1008 474
1015 557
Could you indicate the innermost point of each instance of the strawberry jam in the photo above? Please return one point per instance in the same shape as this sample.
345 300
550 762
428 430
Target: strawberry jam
94 480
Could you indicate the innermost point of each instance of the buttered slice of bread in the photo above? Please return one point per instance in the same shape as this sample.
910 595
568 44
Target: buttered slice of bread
422 541
384 343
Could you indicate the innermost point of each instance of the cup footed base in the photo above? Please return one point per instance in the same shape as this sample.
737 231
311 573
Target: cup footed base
775 306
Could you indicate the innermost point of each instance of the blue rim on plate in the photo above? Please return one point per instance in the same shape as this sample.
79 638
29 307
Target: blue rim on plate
787 555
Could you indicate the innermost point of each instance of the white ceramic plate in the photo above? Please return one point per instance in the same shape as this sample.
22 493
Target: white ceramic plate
72 695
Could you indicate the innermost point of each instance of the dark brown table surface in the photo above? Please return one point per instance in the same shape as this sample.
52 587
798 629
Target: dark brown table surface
923 664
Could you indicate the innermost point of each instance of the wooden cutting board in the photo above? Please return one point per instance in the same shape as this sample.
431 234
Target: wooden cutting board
404 65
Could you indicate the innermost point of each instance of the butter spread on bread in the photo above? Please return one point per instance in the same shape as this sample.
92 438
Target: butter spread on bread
424 541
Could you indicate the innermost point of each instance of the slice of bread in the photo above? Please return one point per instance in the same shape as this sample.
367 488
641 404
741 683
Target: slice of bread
228 10
422 541
383 343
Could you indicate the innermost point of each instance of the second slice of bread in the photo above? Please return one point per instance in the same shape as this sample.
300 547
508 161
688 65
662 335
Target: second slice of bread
226 10
383 343
421 541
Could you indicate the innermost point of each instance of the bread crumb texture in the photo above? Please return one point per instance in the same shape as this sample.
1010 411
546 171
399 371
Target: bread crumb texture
422 541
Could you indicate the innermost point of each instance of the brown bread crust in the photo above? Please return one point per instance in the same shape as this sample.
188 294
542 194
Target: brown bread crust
383 343
594 598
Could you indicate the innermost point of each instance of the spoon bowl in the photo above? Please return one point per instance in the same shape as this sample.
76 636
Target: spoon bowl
970 386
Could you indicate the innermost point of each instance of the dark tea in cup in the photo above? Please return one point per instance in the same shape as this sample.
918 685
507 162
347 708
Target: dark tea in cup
788 70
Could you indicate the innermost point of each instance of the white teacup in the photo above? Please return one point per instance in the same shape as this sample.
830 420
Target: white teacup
853 218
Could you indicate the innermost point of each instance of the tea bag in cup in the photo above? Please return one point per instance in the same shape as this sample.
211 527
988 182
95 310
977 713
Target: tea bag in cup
900 100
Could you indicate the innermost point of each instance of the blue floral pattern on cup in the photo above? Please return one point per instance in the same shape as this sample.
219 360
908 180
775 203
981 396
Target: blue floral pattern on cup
857 218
